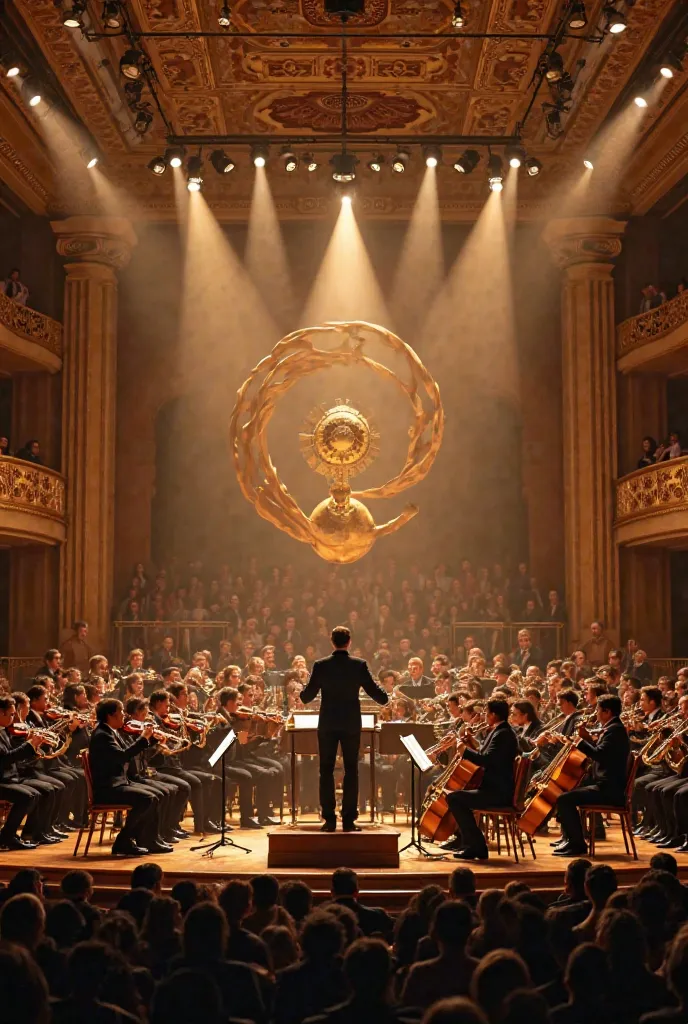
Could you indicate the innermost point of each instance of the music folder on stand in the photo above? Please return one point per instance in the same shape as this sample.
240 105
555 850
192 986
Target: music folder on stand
421 762
224 840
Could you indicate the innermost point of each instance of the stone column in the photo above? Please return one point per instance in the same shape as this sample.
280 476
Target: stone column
585 249
95 248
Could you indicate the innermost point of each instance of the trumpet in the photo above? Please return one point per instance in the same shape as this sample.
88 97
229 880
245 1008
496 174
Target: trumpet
657 750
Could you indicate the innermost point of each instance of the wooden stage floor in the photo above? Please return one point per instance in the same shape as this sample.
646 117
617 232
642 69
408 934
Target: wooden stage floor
389 887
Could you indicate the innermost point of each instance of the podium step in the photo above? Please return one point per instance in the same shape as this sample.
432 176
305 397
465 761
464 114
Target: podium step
305 846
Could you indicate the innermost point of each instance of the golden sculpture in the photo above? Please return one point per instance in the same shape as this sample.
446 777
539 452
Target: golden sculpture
337 442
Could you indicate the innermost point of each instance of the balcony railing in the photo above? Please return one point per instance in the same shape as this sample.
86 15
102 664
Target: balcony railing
502 637
656 490
30 324
646 327
36 490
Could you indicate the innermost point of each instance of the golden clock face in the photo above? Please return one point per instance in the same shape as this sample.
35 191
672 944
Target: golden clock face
339 438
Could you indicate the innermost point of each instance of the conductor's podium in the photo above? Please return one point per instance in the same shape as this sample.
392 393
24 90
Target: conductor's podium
305 846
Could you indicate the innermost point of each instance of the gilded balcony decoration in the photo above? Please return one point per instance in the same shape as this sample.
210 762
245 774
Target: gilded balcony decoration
646 327
657 490
32 325
36 490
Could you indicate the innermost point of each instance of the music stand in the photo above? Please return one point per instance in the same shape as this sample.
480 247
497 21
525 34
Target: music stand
419 760
224 840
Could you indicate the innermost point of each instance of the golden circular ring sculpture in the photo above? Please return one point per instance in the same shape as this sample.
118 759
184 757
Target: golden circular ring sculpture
342 442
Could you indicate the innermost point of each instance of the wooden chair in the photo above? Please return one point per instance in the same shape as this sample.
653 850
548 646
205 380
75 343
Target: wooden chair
97 813
624 813
505 818
5 807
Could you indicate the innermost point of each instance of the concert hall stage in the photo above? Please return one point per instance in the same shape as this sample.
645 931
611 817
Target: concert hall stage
389 887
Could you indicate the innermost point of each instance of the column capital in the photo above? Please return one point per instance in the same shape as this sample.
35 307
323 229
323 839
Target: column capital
584 240
107 241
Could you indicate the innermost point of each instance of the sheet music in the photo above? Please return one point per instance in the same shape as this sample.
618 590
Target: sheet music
306 720
416 752
225 745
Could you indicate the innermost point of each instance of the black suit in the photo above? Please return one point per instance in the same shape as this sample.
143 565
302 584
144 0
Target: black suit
496 757
340 678
371 920
109 758
608 783
25 799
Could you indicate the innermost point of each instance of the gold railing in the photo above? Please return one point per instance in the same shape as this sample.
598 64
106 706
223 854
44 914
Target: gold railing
502 637
667 666
18 670
652 491
188 636
646 327
30 324
24 486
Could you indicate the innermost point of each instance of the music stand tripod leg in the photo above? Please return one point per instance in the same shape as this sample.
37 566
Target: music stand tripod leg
415 840
224 840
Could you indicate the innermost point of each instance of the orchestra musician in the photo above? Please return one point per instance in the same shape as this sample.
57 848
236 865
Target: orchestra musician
204 791
339 679
547 741
666 797
239 771
524 719
607 786
651 706
35 802
416 685
57 768
109 757
496 789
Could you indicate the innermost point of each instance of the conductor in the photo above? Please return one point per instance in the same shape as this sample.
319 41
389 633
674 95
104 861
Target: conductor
340 677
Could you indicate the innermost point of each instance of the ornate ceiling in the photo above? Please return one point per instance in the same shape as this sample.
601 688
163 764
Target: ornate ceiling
267 85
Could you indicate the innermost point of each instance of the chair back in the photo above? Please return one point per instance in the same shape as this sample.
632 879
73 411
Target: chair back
633 766
86 762
521 771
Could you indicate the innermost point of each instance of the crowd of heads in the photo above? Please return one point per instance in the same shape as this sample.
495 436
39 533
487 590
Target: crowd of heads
263 951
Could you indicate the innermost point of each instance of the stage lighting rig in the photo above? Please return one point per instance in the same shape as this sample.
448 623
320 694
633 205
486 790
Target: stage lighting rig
433 156
143 121
11 67
112 15
194 174
224 18
495 173
457 16
640 101
616 20
221 162
131 63
344 166
553 112
174 156
467 162
533 166
259 154
310 163
553 66
376 163
158 165
32 91
578 17
588 164
673 65
400 161
515 154
73 17
289 160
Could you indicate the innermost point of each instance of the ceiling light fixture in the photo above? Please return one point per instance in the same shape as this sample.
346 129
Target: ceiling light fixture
467 162
457 16
555 67
673 65
433 156
194 174
587 163
90 158
289 159
515 154
533 166
32 91
259 155
174 156
616 20
553 122
73 16
376 163
143 121
10 67
221 162
344 166
310 163
578 17
640 101
158 165
400 161
112 14
130 64
224 18
495 173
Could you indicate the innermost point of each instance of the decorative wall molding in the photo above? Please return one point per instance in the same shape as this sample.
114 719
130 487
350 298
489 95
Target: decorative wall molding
33 489
30 324
654 491
640 330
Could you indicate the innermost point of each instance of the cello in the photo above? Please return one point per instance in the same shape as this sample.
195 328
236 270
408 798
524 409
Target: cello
436 822
563 774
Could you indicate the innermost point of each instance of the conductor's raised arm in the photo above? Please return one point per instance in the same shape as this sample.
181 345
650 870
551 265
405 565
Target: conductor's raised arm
312 687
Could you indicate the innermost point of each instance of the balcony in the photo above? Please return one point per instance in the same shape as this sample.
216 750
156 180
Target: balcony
29 340
32 504
651 505
655 342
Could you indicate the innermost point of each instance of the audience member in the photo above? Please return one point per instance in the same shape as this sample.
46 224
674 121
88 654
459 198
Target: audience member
14 288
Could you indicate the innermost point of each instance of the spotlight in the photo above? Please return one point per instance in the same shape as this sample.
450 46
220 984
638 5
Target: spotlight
640 101
133 90
259 155
194 174
346 199
555 67
221 162
90 158
616 20
587 162
467 162
32 91
310 163
533 166
577 16
144 119
158 165
671 66
376 164
290 160
400 161
433 155
457 16
344 166
10 66
72 17
224 18
495 173
553 122
112 14
174 156
515 154
130 64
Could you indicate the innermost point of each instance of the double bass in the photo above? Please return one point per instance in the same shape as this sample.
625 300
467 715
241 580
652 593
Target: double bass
436 822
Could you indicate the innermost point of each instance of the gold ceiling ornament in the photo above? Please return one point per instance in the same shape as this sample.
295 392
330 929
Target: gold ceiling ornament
337 441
